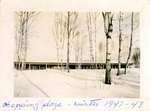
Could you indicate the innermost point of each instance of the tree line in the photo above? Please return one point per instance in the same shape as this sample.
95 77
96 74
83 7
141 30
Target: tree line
67 31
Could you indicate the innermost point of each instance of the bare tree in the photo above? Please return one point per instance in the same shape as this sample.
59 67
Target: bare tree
76 44
108 28
130 47
70 26
68 37
120 41
23 18
59 32
95 17
89 27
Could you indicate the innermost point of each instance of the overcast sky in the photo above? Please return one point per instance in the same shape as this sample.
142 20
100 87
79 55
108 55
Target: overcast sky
42 45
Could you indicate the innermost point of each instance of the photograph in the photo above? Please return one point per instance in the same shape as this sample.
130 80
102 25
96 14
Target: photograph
76 54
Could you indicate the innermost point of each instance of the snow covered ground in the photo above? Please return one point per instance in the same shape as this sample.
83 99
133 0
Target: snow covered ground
77 83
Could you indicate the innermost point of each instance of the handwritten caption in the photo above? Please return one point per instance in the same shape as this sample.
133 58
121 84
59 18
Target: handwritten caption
56 104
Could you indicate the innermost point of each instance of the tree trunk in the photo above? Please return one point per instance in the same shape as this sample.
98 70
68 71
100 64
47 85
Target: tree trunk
68 44
26 39
89 26
80 64
58 57
108 61
108 31
95 43
119 51
130 48
22 44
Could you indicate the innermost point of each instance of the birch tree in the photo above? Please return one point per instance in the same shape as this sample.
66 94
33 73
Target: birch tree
68 37
95 17
130 47
24 23
76 42
89 28
120 41
108 28
70 26
59 33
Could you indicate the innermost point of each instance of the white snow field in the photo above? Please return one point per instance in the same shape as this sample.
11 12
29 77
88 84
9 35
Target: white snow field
77 83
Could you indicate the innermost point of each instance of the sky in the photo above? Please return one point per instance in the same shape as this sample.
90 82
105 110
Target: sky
42 45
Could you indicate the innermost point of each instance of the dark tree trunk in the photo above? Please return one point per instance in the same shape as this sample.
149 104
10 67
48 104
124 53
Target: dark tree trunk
119 51
108 62
68 44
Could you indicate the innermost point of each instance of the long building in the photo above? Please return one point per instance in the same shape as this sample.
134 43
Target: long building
50 65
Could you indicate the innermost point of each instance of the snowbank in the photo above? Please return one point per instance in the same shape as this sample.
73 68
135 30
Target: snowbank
77 83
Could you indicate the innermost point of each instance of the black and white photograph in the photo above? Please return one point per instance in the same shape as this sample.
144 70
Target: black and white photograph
77 54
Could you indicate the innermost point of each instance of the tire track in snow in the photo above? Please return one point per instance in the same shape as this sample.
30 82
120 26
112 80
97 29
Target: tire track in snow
36 86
